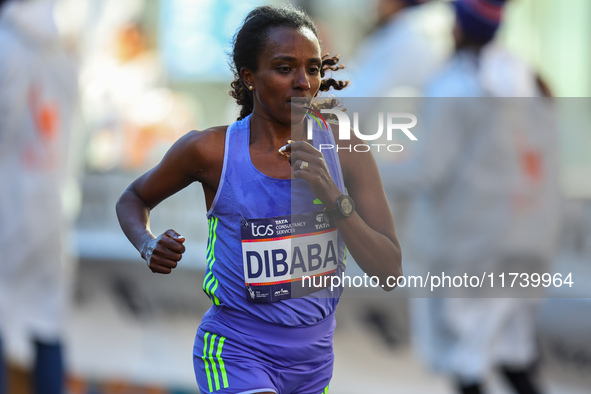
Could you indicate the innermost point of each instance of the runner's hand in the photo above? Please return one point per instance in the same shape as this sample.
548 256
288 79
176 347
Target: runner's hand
164 252
315 172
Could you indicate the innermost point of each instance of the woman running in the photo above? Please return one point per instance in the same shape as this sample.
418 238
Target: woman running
279 210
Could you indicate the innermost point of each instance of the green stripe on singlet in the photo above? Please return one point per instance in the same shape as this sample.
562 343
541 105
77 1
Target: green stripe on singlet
325 391
204 358
210 279
208 254
213 279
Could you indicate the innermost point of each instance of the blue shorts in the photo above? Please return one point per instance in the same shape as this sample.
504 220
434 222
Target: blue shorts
237 353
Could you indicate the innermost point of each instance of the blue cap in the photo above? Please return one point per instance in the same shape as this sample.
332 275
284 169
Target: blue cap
415 2
479 19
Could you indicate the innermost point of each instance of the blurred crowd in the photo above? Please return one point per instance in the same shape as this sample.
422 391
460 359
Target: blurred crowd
91 87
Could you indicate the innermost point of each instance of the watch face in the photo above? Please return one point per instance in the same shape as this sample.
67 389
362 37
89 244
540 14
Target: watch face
346 207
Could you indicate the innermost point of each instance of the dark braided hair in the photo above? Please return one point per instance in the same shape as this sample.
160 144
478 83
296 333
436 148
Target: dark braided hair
250 41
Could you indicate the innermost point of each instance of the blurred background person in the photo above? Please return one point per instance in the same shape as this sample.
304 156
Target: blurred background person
485 177
38 90
402 53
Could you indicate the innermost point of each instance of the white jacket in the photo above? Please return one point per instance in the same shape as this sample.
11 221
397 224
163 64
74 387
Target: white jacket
485 174
399 58
485 180
38 88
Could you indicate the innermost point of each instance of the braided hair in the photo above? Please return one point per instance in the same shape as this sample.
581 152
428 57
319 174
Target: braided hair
250 41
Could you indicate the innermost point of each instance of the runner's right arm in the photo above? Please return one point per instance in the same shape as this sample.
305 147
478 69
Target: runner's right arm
197 156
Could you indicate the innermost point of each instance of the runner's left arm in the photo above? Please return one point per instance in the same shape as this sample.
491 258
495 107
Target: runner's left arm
369 233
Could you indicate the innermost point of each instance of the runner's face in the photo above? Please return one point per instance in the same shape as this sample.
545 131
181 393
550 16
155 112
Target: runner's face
288 67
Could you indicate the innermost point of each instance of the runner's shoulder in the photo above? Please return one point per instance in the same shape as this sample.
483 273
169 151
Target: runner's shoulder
212 135
206 143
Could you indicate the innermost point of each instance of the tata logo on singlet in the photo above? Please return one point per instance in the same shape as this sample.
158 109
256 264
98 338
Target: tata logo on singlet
262 231
277 263
320 218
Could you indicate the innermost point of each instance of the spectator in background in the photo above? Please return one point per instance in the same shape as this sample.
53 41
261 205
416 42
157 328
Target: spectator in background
486 179
38 89
400 56
397 59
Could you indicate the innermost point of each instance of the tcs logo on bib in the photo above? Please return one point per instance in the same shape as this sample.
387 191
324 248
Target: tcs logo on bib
262 231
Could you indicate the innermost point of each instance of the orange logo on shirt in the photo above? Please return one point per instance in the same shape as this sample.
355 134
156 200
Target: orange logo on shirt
531 162
45 114
41 150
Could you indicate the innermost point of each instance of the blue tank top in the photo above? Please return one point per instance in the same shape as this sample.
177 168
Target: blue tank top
267 234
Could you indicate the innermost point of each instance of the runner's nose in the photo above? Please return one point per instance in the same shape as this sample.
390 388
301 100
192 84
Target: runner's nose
301 80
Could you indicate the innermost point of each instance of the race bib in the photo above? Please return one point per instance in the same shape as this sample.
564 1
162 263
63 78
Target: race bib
282 254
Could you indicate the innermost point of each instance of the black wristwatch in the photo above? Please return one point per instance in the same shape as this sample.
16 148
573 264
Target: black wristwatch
345 206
